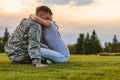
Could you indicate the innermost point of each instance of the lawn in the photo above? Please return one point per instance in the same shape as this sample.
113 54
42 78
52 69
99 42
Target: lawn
79 67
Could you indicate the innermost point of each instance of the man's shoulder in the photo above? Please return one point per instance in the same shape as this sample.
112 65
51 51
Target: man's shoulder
29 22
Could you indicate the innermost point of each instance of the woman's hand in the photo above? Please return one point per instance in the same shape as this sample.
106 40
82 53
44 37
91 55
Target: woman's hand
34 17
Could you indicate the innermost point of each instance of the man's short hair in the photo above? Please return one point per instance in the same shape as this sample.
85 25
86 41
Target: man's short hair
43 9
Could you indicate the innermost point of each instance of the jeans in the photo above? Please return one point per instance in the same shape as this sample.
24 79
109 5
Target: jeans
52 55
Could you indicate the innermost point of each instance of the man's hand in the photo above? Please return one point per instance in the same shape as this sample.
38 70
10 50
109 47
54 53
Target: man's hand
41 65
23 20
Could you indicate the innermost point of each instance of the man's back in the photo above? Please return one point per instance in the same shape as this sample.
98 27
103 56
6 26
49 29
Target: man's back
23 40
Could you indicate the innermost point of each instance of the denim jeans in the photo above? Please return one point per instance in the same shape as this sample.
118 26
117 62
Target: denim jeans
52 55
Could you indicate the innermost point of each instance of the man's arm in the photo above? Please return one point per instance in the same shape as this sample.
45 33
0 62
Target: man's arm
34 37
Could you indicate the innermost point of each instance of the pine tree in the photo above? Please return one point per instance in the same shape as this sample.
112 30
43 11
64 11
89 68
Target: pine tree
115 46
115 41
95 44
6 35
107 47
118 46
87 44
5 38
1 45
80 44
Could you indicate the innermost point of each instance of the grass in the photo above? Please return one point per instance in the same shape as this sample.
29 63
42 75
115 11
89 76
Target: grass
79 67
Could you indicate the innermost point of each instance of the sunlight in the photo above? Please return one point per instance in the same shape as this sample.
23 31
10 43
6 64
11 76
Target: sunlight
16 5
12 9
11 6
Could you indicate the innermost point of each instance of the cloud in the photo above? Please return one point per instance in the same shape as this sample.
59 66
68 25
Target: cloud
83 2
29 3
63 2
54 1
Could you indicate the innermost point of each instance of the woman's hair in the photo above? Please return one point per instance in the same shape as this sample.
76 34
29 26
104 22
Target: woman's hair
43 9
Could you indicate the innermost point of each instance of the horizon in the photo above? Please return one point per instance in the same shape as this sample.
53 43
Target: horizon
73 17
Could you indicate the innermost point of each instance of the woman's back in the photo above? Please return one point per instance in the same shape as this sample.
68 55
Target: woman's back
54 41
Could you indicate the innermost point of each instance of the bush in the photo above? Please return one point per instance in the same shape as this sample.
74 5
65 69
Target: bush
109 54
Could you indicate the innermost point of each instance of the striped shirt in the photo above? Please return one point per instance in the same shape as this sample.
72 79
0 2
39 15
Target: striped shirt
54 41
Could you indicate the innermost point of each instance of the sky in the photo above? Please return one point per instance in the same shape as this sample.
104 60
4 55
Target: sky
72 16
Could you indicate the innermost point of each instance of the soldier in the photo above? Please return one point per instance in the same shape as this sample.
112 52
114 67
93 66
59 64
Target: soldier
24 44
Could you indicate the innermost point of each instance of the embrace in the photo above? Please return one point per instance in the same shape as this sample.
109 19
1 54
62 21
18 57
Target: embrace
36 40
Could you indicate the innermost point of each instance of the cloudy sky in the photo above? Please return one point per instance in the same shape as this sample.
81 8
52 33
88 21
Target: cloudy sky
72 16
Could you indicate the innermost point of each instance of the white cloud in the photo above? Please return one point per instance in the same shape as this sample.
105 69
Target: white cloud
63 2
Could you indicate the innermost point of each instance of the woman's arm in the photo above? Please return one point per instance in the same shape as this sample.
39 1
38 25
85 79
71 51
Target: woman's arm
41 21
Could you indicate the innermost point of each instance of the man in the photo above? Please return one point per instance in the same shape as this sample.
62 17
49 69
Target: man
24 44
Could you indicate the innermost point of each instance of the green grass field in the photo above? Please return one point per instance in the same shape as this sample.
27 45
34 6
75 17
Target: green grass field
79 67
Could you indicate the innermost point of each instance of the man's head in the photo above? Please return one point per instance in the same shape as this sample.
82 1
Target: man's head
44 12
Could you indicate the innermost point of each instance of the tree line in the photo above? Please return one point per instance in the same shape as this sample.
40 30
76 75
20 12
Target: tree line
112 47
86 44
90 44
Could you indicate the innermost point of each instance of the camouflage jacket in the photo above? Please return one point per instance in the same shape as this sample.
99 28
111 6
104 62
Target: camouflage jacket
24 44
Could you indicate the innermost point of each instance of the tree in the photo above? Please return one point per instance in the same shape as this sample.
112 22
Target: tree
95 44
72 48
1 45
3 40
87 44
118 47
107 47
6 36
80 44
115 46
115 41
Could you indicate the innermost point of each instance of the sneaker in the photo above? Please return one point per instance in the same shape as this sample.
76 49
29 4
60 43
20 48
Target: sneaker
48 61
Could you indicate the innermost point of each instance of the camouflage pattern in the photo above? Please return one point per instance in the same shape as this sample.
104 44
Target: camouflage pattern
24 44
